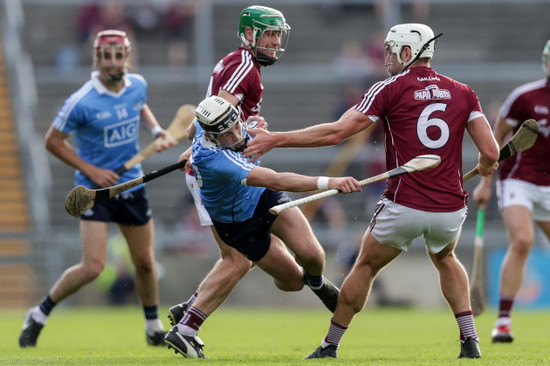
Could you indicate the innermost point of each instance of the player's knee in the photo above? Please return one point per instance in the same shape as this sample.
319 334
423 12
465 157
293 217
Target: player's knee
313 260
92 270
521 246
144 265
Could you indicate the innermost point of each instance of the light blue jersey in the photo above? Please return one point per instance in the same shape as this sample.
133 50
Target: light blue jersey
220 174
105 124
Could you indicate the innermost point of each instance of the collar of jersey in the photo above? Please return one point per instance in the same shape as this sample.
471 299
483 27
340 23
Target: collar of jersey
101 89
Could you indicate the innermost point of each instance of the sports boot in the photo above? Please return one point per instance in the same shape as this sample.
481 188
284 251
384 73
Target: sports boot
176 313
502 334
320 352
187 346
31 331
469 349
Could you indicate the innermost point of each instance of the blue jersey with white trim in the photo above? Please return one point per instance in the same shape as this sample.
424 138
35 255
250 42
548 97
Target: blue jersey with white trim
221 174
105 125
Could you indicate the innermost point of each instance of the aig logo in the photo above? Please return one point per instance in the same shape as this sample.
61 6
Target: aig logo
122 133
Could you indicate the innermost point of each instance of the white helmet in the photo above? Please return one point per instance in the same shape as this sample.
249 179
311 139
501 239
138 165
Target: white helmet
418 37
216 115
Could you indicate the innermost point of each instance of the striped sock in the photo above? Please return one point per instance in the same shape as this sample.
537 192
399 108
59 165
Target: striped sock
191 322
466 325
335 334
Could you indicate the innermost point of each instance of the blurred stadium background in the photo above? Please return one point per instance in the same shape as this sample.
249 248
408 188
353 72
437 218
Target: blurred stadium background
45 55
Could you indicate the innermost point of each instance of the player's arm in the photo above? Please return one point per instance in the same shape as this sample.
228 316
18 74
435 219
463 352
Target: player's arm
482 136
482 192
264 177
56 143
186 155
326 134
164 139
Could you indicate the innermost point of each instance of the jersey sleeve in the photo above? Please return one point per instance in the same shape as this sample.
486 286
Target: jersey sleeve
70 116
238 77
233 166
373 103
511 109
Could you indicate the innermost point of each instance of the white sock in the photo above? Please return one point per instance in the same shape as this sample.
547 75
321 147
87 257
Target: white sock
186 330
38 315
503 321
153 326
325 344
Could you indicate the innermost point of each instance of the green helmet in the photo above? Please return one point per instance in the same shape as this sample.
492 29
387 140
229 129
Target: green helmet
261 19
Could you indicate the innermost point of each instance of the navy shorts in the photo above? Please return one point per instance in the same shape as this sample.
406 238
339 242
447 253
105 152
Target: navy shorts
252 237
127 208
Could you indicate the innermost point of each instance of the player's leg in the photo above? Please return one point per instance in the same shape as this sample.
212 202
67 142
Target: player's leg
280 264
294 230
453 279
521 233
211 293
355 290
94 255
222 278
140 244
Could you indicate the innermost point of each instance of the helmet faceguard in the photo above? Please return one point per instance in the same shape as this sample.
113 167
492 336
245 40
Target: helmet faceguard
546 58
262 19
218 118
111 49
419 37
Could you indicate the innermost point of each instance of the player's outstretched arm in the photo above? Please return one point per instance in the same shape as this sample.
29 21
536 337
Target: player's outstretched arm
264 177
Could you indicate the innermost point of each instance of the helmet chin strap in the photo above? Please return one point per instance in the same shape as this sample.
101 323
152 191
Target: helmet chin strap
242 146
424 47
264 60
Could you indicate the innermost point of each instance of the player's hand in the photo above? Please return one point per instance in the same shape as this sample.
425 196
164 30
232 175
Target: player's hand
164 140
344 184
262 143
186 155
482 193
486 171
102 177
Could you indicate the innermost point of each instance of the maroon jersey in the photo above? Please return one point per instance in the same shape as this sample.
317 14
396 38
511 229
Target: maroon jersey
239 74
423 112
531 100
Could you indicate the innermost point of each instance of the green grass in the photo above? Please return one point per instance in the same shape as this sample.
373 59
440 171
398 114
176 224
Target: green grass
236 336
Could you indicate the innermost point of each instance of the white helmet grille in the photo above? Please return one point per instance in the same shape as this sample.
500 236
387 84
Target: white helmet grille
216 115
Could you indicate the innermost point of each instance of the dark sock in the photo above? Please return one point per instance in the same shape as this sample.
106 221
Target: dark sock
314 281
47 305
151 312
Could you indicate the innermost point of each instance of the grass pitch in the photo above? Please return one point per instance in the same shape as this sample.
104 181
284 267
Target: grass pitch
237 336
